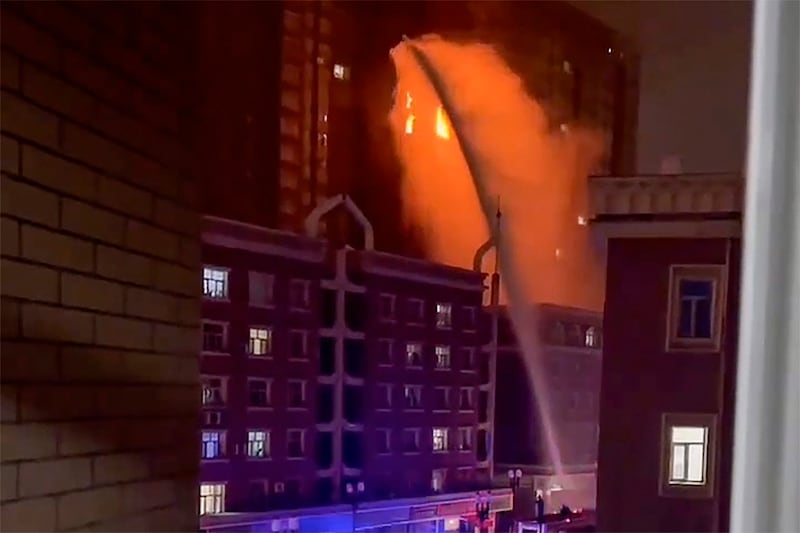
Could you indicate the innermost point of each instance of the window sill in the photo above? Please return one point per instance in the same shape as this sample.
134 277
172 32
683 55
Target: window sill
386 365
260 408
296 409
443 368
261 306
225 300
259 459
442 411
298 458
412 453
414 410
469 410
414 367
265 356
225 354
300 309
215 460
383 409
214 406
299 359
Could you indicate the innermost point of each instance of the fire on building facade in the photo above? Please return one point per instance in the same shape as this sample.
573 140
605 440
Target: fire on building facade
331 371
669 355
569 363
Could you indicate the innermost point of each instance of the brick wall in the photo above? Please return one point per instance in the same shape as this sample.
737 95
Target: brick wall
100 261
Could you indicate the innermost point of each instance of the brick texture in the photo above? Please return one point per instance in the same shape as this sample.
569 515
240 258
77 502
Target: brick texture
99 271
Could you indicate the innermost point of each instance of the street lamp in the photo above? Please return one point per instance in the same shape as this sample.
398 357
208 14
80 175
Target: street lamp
482 509
354 493
514 478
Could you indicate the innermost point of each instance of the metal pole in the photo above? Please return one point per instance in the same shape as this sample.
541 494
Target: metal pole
766 468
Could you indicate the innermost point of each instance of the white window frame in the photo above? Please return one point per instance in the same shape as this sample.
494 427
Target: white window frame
216 496
306 304
226 274
409 351
418 394
269 289
446 408
668 486
471 394
304 336
465 430
442 351
225 344
415 432
254 342
303 405
382 344
420 319
444 315
715 274
268 382
440 437
393 306
385 435
223 388
294 431
220 440
252 444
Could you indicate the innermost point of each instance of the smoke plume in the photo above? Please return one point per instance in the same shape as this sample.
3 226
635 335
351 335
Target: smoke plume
538 172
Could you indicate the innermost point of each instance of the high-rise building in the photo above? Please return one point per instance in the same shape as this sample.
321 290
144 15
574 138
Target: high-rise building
669 350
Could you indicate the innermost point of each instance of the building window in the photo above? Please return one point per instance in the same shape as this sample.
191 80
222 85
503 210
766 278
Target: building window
385 349
444 318
212 498
465 439
442 357
411 440
295 443
215 283
384 396
341 72
416 311
470 318
387 307
261 287
687 466
260 342
258 392
465 400
298 344
213 391
695 307
590 338
215 339
438 477
258 444
414 355
440 439
413 395
213 444
299 294
468 362
558 335
384 441
441 399
296 393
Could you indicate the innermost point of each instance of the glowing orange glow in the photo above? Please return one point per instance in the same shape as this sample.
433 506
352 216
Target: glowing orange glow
410 124
538 172
409 100
442 128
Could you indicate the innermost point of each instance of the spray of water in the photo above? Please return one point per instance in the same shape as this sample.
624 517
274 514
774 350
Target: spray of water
468 134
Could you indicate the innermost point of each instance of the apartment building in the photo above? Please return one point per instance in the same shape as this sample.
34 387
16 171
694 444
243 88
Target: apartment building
670 347
328 371
561 414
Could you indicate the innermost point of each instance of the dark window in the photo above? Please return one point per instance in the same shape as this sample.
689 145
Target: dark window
483 370
354 357
296 394
299 297
258 393
327 356
696 309
410 440
387 306
328 308
294 443
465 400
441 399
416 311
483 406
383 443
213 337
323 490
324 449
324 395
353 449
354 404
298 344
483 445
355 311
385 349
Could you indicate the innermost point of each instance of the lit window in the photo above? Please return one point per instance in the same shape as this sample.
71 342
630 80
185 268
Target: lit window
298 294
695 307
442 127
567 67
295 443
340 72
213 444
214 337
465 400
385 349
410 124
260 341
258 393
440 439
215 283
213 391
414 355
688 454
298 344
261 289
443 357
258 444
410 440
437 480
387 307
413 395
590 338
444 315
296 393
465 439
409 100
384 441
212 498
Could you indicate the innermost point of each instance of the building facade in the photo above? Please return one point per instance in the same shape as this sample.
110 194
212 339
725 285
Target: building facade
335 373
568 365
669 354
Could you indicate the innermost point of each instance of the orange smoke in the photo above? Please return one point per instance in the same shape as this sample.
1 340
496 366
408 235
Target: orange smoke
538 173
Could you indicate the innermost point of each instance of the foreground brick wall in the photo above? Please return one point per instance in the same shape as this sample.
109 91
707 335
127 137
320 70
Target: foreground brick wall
100 271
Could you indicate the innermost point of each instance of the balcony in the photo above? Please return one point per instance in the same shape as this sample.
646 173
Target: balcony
671 205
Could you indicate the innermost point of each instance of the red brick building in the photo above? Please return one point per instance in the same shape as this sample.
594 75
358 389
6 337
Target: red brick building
669 352
324 367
